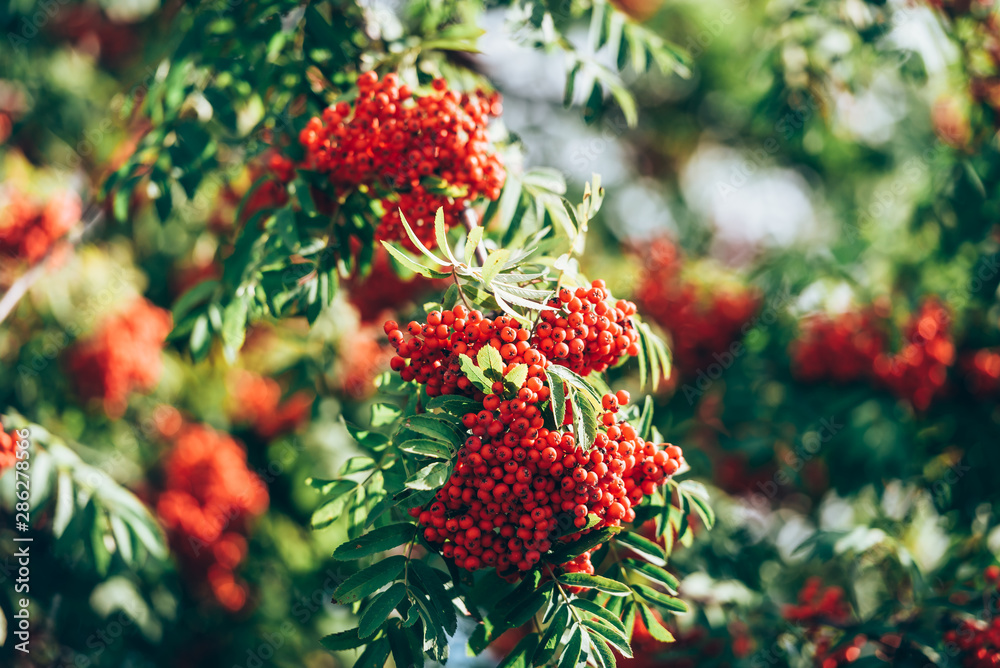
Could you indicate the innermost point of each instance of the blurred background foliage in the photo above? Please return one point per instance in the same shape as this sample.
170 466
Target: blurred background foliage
793 187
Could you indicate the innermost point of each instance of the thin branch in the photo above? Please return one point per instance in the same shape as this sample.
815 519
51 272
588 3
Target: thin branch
30 277
470 223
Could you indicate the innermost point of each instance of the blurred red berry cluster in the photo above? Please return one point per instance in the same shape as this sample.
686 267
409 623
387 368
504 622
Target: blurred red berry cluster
818 605
851 346
364 355
209 496
394 141
8 445
29 228
121 356
841 347
256 401
703 321
981 369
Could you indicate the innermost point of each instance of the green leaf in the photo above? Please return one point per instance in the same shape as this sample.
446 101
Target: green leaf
234 327
441 235
645 422
584 421
642 546
697 497
405 644
376 654
552 636
654 573
380 609
430 581
344 640
597 582
412 265
519 656
434 428
418 244
474 373
370 580
571 655
557 400
517 375
575 380
200 338
430 477
494 263
665 601
523 613
192 298
545 179
603 652
454 404
564 553
609 634
603 613
378 540
656 629
490 362
356 465
426 448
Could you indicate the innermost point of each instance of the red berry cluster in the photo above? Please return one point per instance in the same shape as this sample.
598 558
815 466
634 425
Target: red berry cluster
517 485
842 347
392 140
825 656
703 323
28 229
209 496
977 641
363 356
586 332
8 446
919 371
851 346
431 355
982 372
256 401
122 356
818 605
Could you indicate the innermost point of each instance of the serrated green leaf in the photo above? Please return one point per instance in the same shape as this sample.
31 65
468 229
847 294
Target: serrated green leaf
670 603
602 652
375 541
381 607
597 582
519 656
517 375
475 374
655 628
415 240
413 266
571 654
356 465
430 581
654 573
471 243
430 477
370 580
344 640
642 546
557 399
426 448
609 634
564 553
552 636
603 613
434 428
494 262
490 362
